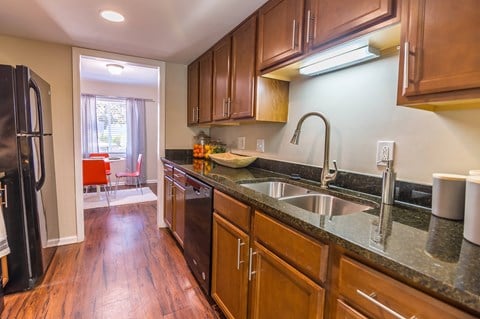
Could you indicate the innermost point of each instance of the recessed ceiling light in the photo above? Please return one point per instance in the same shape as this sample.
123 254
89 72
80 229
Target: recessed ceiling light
115 69
112 16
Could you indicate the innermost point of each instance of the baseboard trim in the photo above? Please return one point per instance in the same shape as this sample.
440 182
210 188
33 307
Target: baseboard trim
62 241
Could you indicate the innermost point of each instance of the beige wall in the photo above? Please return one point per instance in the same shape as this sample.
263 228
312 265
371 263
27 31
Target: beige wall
360 103
151 115
53 63
178 135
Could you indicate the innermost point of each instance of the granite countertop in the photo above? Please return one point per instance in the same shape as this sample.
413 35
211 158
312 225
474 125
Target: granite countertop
423 250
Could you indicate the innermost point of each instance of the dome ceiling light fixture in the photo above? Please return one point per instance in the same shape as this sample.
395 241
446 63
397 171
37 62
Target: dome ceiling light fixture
115 69
112 16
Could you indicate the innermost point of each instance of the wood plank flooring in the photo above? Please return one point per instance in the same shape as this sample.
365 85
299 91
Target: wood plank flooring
125 268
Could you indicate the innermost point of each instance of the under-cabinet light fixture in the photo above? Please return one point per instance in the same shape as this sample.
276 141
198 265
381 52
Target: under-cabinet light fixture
115 69
339 59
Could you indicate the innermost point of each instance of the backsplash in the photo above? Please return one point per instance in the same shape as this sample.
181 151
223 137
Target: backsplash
406 192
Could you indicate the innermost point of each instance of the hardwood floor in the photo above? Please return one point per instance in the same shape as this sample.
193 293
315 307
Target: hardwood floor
125 268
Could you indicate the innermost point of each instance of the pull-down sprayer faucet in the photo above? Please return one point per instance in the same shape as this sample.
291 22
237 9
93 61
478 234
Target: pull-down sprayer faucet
325 176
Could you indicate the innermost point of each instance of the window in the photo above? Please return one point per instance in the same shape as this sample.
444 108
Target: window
112 125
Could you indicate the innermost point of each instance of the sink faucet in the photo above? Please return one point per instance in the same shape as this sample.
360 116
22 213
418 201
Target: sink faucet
325 176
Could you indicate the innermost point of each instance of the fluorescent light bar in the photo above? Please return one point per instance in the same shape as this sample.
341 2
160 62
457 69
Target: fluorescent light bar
340 61
115 69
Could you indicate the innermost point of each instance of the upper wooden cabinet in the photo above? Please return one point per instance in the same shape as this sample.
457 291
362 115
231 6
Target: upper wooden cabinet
199 106
328 20
192 93
280 30
238 94
439 56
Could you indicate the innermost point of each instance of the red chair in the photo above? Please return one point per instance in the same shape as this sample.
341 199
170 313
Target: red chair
94 174
135 174
107 165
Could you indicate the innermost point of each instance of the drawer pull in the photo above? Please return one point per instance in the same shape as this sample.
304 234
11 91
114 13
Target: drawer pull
250 265
372 299
239 244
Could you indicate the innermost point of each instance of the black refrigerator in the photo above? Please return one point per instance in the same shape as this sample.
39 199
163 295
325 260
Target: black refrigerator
27 175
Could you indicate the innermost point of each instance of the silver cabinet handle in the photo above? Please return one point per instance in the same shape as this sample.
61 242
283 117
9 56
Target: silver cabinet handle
4 200
372 299
250 265
223 107
309 17
406 55
198 115
229 107
239 244
193 114
294 34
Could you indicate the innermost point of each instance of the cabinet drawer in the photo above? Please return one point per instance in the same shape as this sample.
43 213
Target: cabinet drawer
168 170
305 254
179 177
233 210
344 311
373 293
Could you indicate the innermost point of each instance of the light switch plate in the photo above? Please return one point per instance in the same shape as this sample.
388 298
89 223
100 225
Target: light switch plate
241 143
261 145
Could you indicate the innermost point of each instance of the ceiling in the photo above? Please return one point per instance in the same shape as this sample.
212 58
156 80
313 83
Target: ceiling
167 30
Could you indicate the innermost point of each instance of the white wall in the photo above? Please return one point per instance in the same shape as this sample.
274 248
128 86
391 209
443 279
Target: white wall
54 64
141 92
177 134
360 103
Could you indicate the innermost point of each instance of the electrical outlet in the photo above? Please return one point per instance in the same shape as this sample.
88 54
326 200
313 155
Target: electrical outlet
241 143
261 145
384 152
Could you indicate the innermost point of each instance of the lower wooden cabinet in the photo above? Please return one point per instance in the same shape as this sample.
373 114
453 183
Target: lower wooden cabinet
376 295
278 290
229 268
344 311
174 204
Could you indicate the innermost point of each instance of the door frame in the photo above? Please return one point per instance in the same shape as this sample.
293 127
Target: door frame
77 53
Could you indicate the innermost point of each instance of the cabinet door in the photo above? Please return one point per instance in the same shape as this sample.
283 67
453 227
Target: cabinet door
229 268
168 202
332 19
179 229
280 29
205 88
346 312
192 93
221 79
440 48
280 291
243 69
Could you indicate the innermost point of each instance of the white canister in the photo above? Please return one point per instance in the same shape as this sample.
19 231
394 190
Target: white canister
448 196
471 226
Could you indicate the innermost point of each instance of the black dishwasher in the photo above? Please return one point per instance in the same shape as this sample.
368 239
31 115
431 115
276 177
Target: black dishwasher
197 245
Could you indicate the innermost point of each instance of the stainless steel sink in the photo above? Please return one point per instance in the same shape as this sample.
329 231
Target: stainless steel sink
278 189
324 204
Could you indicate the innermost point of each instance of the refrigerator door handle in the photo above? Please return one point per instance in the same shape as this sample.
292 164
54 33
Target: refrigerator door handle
32 84
4 195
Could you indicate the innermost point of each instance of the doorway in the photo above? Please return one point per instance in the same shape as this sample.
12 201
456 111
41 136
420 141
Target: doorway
143 79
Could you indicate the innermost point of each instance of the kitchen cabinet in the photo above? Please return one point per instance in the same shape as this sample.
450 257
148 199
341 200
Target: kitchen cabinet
366 291
199 106
262 277
174 201
278 290
328 20
280 30
238 94
229 268
231 241
439 55
193 73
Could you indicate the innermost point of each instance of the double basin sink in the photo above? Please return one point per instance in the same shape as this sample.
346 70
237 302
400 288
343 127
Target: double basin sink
312 201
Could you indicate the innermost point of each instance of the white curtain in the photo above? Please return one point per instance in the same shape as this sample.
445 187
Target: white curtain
135 135
89 125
